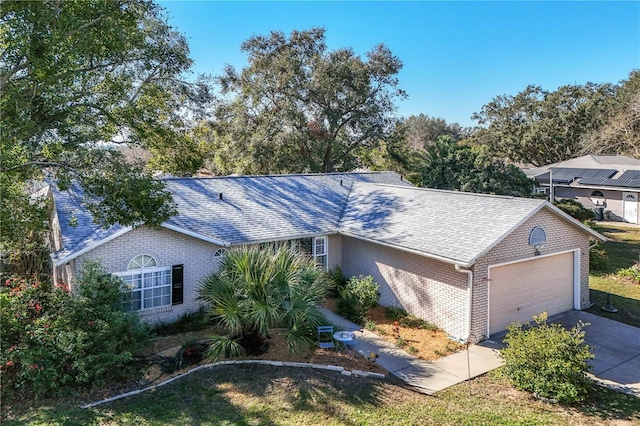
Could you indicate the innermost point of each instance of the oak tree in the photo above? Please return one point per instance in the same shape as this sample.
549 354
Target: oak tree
299 107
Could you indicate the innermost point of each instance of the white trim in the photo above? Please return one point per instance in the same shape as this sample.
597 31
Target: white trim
576 279
97 244
196 235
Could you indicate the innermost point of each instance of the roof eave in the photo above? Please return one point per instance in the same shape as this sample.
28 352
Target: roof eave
408 250
87 249
206 238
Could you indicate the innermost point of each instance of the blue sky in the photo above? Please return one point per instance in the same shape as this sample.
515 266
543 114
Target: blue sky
457 56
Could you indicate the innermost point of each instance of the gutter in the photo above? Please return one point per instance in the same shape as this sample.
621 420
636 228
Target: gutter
469 273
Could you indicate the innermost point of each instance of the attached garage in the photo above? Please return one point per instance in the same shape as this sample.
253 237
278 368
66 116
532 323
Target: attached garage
519 290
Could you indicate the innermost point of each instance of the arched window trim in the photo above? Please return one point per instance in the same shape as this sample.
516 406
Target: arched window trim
220 253
597 193
146 261
537 237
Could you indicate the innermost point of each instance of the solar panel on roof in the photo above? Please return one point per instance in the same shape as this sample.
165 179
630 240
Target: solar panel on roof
569 174
630 174
620 182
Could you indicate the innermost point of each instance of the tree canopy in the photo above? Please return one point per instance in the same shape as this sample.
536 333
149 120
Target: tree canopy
541 127
298 107
76 77
422 130
450 165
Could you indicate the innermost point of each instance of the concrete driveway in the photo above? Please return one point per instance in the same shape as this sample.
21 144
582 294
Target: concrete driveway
616 347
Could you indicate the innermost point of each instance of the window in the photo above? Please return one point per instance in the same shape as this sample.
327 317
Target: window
220 253
599 194
320 251
315 247
150 285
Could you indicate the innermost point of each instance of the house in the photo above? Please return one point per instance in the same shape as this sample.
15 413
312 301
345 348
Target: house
611 182
469 263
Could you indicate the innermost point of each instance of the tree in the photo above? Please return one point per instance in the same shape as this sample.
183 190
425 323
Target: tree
620 134
422 130
76 77
541 127
257 289
449 165
298 107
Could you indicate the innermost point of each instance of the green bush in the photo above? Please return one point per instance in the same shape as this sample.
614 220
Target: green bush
193 321
548 360
53 340
395 313
360 294
337 282
575 210
598 258
633 272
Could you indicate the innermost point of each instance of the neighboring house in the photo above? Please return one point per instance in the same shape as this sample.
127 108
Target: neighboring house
609 181
469 263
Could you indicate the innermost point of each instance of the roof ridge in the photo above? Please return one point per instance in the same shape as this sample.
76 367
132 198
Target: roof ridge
275 175
446 191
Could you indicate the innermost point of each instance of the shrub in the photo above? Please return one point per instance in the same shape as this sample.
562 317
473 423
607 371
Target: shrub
193 321
52 340
360 294
548 360
633 272
598 258
337 282
575 210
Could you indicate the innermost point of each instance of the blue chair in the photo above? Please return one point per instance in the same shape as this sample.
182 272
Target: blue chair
325 337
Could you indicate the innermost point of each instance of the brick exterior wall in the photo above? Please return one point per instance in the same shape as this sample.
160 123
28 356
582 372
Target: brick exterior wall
561 236
335 251
168 248
427 288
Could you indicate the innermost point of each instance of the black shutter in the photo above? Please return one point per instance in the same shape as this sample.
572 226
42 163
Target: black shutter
177 284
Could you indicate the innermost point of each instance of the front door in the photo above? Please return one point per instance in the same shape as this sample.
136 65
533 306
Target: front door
630 206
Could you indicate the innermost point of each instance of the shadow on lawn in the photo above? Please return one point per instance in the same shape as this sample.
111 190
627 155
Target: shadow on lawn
608 404
248 394
628 308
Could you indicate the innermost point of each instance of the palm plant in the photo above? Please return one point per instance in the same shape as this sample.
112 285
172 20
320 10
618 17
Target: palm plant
256 289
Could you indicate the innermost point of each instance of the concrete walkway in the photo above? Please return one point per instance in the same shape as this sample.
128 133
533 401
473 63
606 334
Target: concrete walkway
425 376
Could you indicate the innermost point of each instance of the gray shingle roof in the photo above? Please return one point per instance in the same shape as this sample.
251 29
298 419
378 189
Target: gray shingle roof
252 209
454 226
265 208
78 230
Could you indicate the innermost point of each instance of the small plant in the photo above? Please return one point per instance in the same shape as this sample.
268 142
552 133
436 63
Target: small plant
413 322
548 360
412 350
395 313
372 326
401 342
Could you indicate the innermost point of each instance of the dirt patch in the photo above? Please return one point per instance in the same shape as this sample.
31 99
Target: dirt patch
422 343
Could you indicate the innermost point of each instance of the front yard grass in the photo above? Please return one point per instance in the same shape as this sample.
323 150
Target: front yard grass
256 394
623 251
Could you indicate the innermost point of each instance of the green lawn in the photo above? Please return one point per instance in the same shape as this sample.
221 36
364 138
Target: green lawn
623 250
263 395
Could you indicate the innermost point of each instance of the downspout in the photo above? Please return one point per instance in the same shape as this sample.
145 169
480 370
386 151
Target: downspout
469 273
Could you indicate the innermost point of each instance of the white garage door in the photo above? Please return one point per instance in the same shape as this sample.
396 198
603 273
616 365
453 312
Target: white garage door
518 291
